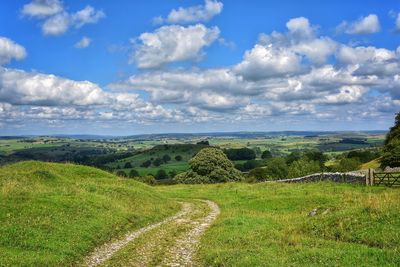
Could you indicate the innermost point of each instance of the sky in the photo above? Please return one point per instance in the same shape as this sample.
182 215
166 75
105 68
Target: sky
132 67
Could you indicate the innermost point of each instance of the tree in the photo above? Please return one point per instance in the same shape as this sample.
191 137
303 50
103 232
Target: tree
258 175
166 158
210 165
391 149
121 173
346 165
147 179
266 154
172 173
250 164
128 165
157 162
303 167
240 153
146 164
161 174
133 173
276 168
292 157
203 142
178 157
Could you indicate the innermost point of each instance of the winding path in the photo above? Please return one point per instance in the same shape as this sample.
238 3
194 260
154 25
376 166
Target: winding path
171 242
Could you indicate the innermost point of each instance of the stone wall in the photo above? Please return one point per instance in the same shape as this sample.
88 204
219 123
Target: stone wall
349 177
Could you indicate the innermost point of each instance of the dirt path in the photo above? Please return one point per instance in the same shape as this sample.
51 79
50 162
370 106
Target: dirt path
171 242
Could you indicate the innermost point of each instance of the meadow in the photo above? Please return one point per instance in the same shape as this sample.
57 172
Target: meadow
268 224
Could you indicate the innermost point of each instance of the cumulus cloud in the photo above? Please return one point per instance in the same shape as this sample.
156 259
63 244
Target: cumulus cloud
42 8
83 43
192 14
171 44
10 50
56 20
364 25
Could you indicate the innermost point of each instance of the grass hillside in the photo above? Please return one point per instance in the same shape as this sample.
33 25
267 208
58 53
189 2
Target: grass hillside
54 214
373 164
268 224
185 151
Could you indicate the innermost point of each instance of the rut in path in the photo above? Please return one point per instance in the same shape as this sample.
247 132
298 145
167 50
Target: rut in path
172 242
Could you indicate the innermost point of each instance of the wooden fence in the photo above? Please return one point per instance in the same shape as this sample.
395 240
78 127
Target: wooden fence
390 179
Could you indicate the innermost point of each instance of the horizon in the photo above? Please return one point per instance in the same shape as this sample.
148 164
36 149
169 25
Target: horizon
94 67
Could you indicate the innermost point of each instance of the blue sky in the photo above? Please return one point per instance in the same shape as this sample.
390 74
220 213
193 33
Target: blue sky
127 67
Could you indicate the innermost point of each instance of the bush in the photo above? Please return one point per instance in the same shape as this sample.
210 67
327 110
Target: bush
133 173
157 162
346 165
147 179
161 174
258 175
276 168
266 154
166 158
303 167
178 157
240 153
127 165
210 165
146 164
121 173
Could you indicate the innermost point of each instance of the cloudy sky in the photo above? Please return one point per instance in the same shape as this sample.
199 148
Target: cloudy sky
128 67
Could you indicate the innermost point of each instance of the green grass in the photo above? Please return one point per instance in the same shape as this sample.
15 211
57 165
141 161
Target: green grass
267 224
54 214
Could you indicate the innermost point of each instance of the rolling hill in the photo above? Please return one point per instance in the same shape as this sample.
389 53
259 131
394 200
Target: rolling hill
54 214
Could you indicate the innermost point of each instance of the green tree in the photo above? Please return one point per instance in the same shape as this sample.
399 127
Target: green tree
276 168
161 174
346 165
146 164
147 179
157 162
210 165
133 173
178 157
391 149
240 153
258 175
128 165
266 154
303 167
166 158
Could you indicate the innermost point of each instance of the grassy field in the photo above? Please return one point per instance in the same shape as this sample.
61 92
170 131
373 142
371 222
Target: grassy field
54 214
268 224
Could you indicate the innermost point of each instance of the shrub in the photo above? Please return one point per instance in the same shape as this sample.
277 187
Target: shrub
258 175
178 157
133 173
128 165
161 174
210 165
346 165
303 167
146 164
166 158
147 179
240 153
266 154
276 168
157 162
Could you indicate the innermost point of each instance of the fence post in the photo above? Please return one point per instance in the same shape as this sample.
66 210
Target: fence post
371 176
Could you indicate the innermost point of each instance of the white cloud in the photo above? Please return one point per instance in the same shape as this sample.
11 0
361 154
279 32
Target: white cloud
83 43
364 25
10 50
300 27
268 61
56 20
56 25
42 8
192 14
173 43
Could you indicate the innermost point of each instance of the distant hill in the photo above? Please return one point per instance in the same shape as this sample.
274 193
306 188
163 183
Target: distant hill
57 213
